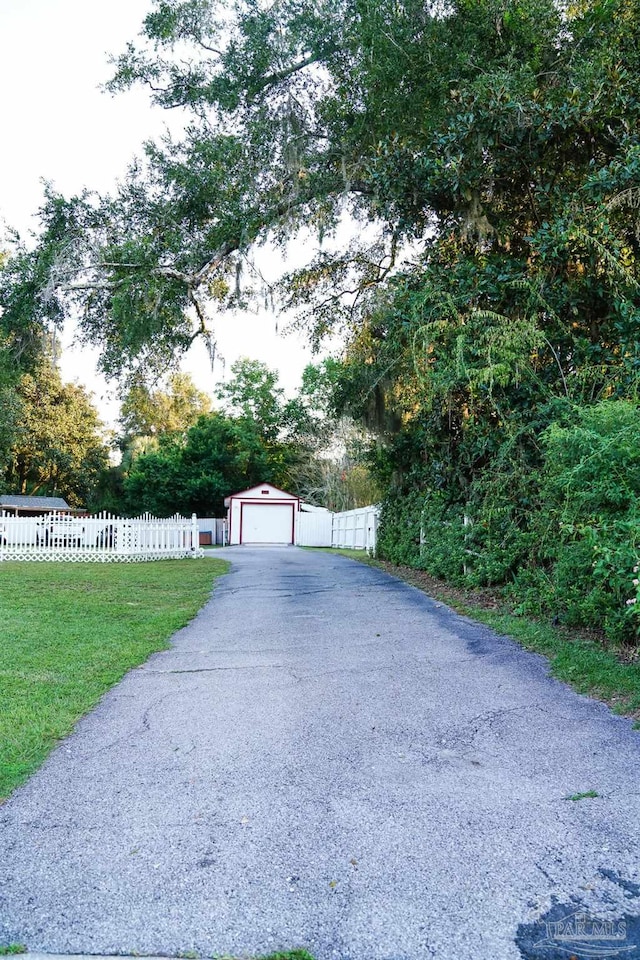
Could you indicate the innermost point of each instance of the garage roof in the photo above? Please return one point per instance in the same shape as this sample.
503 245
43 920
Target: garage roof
256 492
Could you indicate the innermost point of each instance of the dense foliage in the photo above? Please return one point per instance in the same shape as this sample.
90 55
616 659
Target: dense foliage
491 306
51 439
180 457
219 456
148 412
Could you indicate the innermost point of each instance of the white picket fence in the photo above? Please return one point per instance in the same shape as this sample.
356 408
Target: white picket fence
100 538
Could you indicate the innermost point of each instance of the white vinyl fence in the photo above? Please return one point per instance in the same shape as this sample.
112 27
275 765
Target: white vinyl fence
314 529
357 529
101 538
216 528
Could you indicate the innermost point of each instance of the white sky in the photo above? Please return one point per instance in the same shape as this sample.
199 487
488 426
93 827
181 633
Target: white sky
57 125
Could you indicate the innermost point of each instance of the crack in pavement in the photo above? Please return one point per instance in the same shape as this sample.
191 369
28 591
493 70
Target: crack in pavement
248 666
360 750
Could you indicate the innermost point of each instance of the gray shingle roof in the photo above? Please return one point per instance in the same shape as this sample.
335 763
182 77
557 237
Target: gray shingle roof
34 503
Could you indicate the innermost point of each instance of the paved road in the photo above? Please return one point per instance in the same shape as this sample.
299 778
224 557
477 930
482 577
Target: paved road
327 758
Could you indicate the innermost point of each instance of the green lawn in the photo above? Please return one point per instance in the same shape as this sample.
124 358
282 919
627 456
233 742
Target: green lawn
69 631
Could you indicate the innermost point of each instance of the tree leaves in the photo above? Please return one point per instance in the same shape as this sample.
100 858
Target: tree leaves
52 438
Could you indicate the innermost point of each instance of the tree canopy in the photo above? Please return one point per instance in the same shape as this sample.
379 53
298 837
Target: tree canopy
489 153
253 393
500 134
51 438
218 456
149 413
259 436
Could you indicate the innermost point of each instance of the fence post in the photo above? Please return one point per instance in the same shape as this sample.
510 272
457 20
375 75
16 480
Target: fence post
372 533
195 535
466 522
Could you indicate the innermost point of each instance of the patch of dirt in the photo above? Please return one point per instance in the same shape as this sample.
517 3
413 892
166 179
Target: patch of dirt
484 598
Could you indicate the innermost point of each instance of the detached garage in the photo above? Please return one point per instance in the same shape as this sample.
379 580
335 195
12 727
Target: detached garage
262 514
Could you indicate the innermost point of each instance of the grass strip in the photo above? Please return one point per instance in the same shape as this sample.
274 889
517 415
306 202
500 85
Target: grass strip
577 658
297 954
69 632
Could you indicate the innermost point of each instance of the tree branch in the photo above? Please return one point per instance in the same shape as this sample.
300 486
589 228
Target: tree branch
279 75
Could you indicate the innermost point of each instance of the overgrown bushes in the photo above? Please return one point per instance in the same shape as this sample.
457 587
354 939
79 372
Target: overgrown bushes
561 539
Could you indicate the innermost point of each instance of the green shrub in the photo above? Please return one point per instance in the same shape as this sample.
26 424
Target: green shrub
591 516
444 540
533 591
561 538
399 530
421 530
498 546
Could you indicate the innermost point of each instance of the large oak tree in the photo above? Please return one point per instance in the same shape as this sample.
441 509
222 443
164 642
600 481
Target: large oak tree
501 134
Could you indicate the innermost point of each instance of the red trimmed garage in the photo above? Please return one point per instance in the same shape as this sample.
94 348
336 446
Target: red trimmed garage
262 515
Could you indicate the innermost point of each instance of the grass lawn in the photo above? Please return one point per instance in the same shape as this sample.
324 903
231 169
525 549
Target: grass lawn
580 659
69 631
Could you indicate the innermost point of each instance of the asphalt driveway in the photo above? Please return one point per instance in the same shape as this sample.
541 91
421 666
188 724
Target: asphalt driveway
326 758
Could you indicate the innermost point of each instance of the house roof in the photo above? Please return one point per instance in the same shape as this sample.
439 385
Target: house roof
33 503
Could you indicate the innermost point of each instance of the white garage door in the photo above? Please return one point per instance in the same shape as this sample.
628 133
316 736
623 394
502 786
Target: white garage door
267 523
